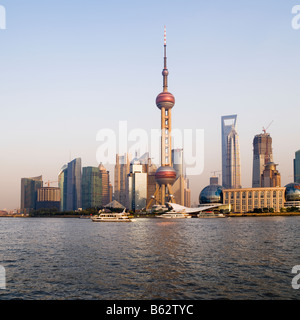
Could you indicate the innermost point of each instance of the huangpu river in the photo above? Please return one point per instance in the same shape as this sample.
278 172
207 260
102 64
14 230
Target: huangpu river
186 259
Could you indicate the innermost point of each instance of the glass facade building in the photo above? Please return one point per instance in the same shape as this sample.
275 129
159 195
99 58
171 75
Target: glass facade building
177 161
297 167
137 187
29 187
62 184
70 184
91 187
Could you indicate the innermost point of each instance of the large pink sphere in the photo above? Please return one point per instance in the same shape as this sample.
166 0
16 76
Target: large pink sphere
165 175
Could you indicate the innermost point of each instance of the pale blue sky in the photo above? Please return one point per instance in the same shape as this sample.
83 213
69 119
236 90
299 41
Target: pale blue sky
69 68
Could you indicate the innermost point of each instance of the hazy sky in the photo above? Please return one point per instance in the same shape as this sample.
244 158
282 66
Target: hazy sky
70 68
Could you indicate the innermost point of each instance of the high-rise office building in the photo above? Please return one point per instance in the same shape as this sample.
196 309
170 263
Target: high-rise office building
297 167
62 184
262 154
122 169
69 181
106 192
177 161
181 191
29 187
74 185
91 188
270 176
137 186
231 165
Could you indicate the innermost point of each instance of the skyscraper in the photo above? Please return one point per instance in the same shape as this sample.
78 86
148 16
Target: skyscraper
74 185
62 184
122 169
137 186
106 188
29 187
165 175
231 166
262 154
270 176
91 188
70 183
177 161
297 167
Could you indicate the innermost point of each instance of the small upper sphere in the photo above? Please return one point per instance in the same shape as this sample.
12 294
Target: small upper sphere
165 72
165 100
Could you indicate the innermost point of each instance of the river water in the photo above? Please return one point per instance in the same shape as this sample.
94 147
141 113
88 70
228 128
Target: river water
203 259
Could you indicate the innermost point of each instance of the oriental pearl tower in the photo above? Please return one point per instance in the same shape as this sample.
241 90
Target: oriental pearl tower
165 176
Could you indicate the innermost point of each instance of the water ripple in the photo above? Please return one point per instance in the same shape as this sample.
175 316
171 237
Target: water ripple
242 258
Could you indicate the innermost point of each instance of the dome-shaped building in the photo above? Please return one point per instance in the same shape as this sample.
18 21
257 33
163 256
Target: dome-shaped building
211 194
292 192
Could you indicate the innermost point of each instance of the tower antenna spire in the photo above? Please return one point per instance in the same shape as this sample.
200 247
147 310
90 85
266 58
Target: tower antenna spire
165 71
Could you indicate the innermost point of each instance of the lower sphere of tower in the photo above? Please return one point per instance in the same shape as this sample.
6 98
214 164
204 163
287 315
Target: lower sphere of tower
165 175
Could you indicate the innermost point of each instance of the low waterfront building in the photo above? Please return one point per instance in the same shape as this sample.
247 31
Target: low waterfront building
249 199
48 198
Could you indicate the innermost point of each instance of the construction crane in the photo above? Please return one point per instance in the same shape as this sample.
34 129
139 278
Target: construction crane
49 182
265 130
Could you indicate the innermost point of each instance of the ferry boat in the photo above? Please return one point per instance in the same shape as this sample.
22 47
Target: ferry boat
112 217
174 215
210 214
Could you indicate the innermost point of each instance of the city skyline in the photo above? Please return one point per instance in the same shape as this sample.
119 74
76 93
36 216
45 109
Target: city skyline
56 90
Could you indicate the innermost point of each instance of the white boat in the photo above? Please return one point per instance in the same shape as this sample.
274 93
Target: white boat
174 215
210 215
112 217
